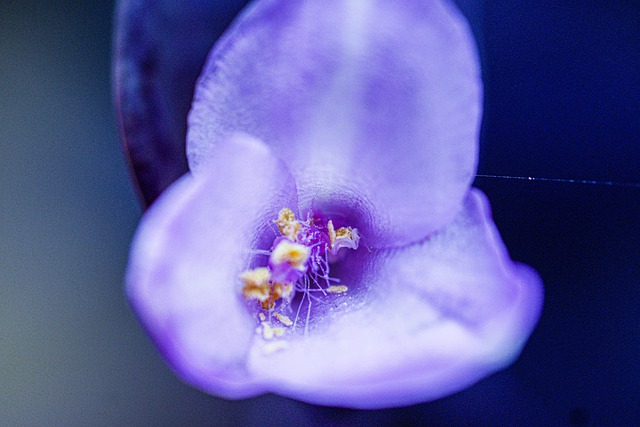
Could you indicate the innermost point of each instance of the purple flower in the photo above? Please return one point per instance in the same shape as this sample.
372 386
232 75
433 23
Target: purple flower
326 244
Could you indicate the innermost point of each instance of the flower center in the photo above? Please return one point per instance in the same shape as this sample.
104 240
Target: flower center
299 263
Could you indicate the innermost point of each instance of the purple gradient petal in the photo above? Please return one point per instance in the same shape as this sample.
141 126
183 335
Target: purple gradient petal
373 104
186 259
417 323
373 107
160 47
438 317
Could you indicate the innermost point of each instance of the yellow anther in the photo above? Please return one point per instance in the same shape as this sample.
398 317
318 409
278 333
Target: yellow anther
256 284
344 233
332 233
267 331
281 290
283 319
287 224
294 254
345 237
268 304
262 317
337 289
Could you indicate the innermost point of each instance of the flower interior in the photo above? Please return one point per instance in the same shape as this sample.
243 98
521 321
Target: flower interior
298 271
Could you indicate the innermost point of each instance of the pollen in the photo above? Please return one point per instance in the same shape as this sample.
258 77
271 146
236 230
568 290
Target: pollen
268 304
283 319
256 284
300 262
267 331
282 290
345 233
287 224
345 237
337 289
332 233
274 347
276 291
294 254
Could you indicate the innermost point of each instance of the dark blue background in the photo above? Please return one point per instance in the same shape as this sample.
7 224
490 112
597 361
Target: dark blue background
562 100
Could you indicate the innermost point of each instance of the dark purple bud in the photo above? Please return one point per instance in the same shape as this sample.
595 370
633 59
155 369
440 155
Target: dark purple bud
159 50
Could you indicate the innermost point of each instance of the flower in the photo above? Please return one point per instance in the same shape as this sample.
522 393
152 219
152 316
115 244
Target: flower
326 244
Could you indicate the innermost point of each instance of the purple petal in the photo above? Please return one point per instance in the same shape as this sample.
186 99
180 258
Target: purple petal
186 259
160 47
373 104
438 317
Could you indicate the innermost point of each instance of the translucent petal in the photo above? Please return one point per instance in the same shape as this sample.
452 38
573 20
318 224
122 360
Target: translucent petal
373 105
192 245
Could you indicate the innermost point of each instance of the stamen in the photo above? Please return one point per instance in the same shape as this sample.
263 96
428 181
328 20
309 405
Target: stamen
299 261
306 323
288 261
304 294
256 284
282 290
294 254
337 289
268 305
267 331
287 224
332 234
345 237
283 319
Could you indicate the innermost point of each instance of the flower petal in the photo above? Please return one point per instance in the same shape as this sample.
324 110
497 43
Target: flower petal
371 103
440 316
187 257
160 48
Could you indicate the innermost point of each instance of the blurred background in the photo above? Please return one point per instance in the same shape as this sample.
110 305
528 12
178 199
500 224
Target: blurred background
562 100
